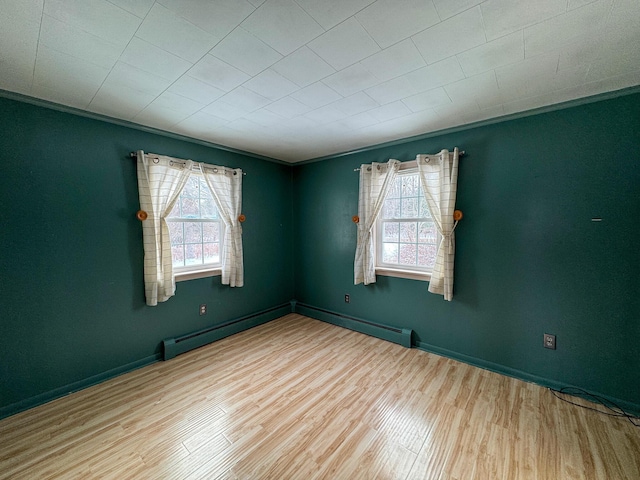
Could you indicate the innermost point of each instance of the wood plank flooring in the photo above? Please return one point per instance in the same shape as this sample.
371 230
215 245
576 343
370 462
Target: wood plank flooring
301 399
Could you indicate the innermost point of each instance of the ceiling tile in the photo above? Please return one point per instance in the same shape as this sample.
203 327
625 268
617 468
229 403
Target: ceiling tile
271 84
177 103
449 8
19 31
303 67
139 8
218 18
520 72
329 13
64 94
288 107
245 52
506 16
283 25
472 87
326 114
215 72
351 80
76 42
119 101
166 30
355 104
392 90
426 100
389 21
344 45
390 111
435 75
195 89
66 74
123 75
223 110
101 18
152 59
565 29
245 99
401 58
361 120
316 95
264 117
200 123
439 42
503 51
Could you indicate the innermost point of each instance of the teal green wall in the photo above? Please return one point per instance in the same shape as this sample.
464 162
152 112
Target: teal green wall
72 301
529 260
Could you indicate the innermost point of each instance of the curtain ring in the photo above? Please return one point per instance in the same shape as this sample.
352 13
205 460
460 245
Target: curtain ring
156 160
241 218
215 170
355 219
141 215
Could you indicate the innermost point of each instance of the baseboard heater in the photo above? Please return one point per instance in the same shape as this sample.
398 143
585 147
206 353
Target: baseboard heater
401 336
178 345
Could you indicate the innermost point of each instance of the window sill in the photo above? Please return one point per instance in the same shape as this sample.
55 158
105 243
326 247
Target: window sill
409 274
184 276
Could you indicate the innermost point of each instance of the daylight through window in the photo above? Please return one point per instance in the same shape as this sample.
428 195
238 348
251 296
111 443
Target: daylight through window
406 236
196 228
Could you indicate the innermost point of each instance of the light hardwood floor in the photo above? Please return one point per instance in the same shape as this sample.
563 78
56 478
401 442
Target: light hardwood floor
298 398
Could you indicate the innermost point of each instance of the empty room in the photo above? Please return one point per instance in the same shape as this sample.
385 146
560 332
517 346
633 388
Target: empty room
297 239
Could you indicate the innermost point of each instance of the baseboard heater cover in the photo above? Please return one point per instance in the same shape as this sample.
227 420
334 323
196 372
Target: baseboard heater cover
175 346
401 336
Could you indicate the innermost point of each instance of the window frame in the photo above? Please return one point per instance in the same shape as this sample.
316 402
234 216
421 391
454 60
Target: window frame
191 272
389 270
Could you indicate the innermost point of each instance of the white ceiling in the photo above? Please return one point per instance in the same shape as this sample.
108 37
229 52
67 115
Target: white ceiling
301 79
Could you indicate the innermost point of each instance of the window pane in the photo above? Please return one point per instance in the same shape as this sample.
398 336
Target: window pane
192 232
176 233
407 254
409 185
190 207
408 232
204 189
391 208
390 231
208 208
175 211
211 232
427 255
193 254
177 254
427 232
191 188
409 207
390 253
211 253
424 210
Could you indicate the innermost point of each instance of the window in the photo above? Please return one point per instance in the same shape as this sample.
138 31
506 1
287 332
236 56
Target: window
406 237
196 231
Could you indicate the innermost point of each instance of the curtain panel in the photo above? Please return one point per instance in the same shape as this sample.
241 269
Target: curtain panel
160 181
226 187
439 177
375 181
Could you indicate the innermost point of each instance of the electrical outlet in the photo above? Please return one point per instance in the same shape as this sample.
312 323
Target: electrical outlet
203 309
347 299
549 341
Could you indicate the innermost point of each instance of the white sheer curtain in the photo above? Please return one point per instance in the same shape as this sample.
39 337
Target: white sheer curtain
160 181
375 181
226 186
439 178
